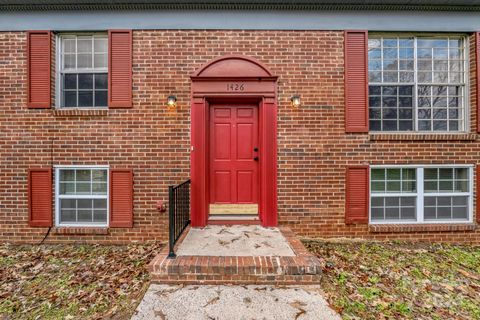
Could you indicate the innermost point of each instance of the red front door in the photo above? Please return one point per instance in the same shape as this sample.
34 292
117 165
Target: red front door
234 159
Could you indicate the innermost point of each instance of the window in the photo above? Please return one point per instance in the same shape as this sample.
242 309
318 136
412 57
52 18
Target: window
81 196
417 83
414 194
83 70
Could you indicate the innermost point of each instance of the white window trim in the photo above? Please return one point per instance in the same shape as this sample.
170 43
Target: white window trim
466 82
420 195
57 197
58 69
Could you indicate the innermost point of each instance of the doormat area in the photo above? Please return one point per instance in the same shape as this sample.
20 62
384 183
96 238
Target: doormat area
235 241
233 302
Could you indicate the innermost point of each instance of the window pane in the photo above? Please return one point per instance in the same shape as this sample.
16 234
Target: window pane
99 175
101 81
83 188
99 188
67 188
393 174
84 204
100 216
378 174
67 216
85 215
70 81
69 61
83 175
430 173
100 203
84 44
68 204
85 98
70 98
69 45
85 81
100 60
393 186
101 44
67 175
84 61
101 98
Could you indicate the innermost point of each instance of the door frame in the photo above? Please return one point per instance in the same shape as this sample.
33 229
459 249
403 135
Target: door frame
237 103
243 80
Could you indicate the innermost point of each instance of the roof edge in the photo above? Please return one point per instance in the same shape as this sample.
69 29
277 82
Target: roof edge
236 6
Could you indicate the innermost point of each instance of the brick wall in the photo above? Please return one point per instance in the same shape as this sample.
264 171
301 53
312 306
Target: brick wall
313 149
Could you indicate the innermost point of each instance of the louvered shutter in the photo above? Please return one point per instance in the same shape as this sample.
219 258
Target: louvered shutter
357 195
121 198
40 197
356 81
477 51
38 69
120 68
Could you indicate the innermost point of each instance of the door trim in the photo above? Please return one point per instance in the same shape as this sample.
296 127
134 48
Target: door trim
249 208
241 80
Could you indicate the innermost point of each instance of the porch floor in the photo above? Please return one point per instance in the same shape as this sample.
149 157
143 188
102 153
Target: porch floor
237 254
236 241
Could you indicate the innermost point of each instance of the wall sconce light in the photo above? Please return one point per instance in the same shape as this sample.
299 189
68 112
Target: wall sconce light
296 102
171 102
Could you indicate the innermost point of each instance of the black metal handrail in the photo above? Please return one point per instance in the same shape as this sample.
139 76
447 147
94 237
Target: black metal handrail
178 213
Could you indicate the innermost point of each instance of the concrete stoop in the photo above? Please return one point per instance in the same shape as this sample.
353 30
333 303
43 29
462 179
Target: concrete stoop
224 266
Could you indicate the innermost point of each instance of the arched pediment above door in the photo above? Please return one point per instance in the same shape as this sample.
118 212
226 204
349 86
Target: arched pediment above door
233 66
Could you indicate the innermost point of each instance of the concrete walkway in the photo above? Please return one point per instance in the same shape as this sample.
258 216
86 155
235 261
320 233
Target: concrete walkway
237 240
178 302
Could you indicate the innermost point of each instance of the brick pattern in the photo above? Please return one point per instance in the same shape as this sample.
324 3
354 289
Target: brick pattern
405 228
422 137
304 268
313 149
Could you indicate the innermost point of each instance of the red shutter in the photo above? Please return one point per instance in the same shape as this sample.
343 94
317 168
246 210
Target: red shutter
120 68
478 193
40 197
357 195
38 69
356 81
121 198
477 51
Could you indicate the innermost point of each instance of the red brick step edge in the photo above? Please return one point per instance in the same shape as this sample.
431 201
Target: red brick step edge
303 268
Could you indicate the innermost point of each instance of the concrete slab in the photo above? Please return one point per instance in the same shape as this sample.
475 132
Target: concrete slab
237 240
233 302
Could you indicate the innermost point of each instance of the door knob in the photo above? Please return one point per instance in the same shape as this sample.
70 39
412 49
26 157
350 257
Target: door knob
255 158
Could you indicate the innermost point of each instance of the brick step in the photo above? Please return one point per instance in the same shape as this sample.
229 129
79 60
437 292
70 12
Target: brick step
303 268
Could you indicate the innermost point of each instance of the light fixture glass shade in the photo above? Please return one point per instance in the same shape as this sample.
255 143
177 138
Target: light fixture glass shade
296 102
172 101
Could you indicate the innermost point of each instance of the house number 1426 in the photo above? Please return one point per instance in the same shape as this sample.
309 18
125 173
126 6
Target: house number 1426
235 86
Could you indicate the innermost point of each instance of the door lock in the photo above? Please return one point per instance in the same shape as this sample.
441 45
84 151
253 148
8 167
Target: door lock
255 158
255 149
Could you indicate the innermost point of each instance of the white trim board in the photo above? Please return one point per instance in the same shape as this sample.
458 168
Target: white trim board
86 20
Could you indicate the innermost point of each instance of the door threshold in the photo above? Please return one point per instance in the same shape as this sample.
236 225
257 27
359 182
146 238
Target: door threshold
233 217
229 219
234 222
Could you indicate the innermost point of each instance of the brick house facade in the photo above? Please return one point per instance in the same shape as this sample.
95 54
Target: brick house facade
314 149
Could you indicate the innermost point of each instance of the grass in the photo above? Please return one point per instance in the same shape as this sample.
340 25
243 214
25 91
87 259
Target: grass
73 281
397 280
